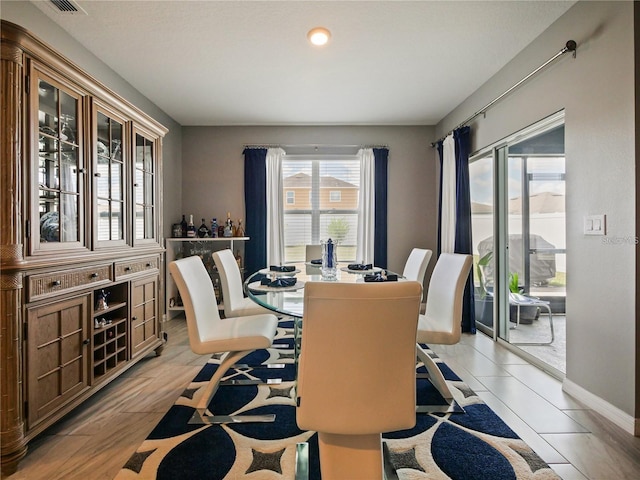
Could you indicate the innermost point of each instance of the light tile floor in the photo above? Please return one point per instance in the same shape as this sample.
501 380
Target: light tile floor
96 439
577 442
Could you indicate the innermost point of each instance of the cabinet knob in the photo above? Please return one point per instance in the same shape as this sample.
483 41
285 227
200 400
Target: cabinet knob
97 174
135 184
94 275
149 265
86 341
56 283
127 269
81 170
134 318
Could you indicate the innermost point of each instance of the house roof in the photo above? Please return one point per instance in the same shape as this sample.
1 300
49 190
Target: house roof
302 180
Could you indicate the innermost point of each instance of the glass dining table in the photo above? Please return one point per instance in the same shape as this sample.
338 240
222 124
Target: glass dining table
289 300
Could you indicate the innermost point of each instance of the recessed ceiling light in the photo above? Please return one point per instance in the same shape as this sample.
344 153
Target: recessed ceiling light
319 35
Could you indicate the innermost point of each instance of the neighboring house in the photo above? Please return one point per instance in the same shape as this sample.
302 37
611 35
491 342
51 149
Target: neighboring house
335 194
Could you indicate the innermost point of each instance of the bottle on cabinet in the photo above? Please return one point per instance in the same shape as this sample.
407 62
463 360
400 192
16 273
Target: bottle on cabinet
203 231
176 230
183 226
228 226
214 228
239 229
191 228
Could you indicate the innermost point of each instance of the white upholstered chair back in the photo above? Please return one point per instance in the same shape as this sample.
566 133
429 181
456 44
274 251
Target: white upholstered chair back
198 297
233 299
230 278
442 321
415 267
312 252
356 375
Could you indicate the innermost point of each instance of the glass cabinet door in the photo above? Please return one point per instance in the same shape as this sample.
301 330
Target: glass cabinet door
144 188
109 179
57 220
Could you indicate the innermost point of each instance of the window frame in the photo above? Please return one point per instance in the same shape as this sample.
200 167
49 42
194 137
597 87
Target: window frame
315 210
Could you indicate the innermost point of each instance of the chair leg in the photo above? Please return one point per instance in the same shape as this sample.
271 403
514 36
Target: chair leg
202 416
541 305
437 380
350 456
435 375
302 461
262 366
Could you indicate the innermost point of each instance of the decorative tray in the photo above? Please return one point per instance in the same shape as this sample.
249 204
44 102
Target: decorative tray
364 272
257 287
272 273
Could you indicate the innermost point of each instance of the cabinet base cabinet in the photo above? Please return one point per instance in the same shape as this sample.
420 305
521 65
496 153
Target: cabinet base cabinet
57 342
144 317
75 344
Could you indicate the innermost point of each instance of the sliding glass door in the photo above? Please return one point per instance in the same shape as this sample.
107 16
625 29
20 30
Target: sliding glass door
482 174
518 221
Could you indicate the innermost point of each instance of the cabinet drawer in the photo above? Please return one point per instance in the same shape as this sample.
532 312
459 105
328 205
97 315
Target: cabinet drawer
49 284
133 267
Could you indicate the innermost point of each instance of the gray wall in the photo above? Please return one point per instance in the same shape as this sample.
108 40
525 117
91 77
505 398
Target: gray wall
28 16
596 90
213 173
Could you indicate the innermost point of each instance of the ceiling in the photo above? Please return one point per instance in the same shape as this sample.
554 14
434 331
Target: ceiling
249 62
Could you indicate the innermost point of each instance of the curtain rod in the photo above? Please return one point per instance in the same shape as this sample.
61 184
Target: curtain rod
570 46
313 145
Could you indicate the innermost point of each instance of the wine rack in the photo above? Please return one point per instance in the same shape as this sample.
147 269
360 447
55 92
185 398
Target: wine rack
110 330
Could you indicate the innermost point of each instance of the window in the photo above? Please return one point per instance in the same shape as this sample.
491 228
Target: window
291 197
327 206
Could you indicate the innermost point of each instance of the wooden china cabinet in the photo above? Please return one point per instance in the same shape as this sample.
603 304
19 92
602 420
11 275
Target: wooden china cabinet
80 238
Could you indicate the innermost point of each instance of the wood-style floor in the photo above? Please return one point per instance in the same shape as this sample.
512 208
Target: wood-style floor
96 440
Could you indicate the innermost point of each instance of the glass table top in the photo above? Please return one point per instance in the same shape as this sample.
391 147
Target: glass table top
289 300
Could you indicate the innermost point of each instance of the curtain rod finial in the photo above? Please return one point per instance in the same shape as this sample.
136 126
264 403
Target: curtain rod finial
571 46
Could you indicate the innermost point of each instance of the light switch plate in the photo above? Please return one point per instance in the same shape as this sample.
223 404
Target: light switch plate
595 225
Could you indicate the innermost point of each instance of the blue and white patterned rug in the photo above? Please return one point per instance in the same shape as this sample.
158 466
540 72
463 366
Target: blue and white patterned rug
475 444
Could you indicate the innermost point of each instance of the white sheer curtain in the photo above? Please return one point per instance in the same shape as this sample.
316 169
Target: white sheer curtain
366 206
275 207
448 214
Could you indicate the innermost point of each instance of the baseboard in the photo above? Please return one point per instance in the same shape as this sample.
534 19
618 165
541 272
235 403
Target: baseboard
613 414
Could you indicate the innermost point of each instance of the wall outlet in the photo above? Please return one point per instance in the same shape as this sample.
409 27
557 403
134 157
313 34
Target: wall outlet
595 225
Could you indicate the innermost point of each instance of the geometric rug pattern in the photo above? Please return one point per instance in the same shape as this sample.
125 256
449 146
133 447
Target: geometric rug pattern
469 445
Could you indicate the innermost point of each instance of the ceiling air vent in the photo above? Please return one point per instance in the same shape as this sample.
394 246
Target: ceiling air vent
67 7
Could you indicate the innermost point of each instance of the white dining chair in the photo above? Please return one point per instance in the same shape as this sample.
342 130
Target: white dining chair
442 322
356 376
312 252
235 304
208 334
415 268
